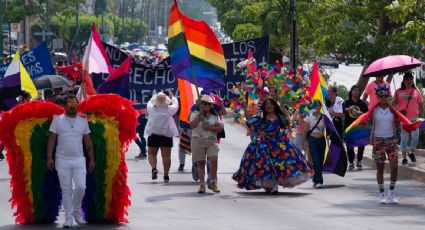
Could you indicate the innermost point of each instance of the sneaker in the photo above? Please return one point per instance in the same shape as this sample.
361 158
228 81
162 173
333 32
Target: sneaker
404 162
318 185
275 190
166 178
79 219
201 189
392 198
213 186
382 198
412 157
154 174
359 165
351 166
141 156
68 223
181 167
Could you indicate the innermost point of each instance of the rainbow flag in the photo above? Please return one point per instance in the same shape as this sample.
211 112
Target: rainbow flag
188 97
196 53
358 133
335 155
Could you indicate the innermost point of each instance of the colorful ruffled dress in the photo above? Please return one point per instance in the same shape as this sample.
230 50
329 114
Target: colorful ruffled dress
272 160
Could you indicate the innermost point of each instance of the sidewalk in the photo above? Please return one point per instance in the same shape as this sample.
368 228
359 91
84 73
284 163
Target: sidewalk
416 172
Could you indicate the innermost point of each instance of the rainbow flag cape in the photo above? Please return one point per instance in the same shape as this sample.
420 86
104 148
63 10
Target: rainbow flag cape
358 133
335 156
36 193
196 53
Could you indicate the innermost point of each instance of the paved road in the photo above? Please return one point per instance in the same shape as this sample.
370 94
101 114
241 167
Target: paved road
344 203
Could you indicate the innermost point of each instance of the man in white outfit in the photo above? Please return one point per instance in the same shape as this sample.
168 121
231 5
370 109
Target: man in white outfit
70 129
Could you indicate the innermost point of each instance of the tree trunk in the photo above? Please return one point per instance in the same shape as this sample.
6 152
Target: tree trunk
383 28
2 5
148 14
133 5
77 29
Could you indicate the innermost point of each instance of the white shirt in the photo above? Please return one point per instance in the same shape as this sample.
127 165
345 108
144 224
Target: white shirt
198 131
70 133
337 107
161 121
383 122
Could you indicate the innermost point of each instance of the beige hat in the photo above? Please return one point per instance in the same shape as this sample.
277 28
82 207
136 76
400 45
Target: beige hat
206 98
160 100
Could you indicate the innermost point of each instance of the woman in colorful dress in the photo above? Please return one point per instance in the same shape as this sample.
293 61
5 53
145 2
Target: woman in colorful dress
271 159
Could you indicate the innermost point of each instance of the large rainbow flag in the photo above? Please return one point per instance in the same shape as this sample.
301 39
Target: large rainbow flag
196 53
335 156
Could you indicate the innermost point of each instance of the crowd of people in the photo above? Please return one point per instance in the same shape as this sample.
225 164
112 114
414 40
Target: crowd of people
274 157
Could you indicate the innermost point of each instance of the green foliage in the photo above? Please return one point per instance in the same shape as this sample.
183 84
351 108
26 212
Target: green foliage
246 31
64 26
364 30
342 91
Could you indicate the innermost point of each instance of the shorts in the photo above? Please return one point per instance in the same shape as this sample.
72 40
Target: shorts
157 141
203 148
383 147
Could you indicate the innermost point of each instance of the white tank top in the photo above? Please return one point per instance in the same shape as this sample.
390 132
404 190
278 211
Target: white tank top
383 122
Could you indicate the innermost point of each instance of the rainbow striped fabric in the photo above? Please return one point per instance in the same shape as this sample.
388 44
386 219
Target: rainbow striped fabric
196 53
36 192
358 133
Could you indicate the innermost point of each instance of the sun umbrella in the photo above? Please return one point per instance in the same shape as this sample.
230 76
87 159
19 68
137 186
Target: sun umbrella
390 65
50 82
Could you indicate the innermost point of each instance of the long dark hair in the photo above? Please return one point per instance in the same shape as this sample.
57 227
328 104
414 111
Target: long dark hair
407 75
279 112
350 93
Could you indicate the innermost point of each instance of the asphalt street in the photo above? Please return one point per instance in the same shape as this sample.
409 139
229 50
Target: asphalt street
344 203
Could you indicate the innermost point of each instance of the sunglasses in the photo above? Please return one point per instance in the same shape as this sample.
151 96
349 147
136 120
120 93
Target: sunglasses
206 103
72 103
384 96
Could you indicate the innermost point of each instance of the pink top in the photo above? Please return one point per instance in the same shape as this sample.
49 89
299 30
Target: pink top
370 90
412 109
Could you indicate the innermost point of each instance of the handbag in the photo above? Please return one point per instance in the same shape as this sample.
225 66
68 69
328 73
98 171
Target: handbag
311 130
404 111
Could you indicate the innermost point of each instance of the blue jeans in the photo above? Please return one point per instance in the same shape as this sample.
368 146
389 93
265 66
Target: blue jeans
404 139
141 141
317 148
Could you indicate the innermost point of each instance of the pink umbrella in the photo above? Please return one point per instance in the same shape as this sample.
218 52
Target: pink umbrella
391 64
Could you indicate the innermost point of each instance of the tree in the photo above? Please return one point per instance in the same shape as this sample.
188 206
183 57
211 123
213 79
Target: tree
364 30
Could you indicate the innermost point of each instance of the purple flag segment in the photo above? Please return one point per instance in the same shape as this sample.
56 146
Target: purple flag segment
118 82
336 160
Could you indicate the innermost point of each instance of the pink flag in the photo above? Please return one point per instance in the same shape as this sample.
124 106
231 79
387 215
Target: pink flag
95 60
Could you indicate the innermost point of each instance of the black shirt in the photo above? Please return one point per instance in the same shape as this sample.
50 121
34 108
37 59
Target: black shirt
350 117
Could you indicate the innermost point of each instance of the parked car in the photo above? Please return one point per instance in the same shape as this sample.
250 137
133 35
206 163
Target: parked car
328 60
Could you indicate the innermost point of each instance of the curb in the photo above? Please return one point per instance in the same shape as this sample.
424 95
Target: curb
404 172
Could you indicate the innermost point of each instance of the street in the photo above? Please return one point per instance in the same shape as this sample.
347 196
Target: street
344 203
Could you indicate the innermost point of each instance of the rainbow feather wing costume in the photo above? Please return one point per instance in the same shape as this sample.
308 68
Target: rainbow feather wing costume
36 192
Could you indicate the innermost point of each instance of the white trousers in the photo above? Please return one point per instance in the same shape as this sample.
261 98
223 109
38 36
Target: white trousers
69 171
